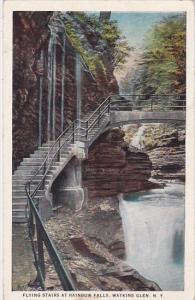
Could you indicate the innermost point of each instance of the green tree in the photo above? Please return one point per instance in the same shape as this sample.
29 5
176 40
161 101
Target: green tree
164 58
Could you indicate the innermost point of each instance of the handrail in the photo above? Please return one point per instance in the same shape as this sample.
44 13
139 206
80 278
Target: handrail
49 165
50 150
38 251
98 108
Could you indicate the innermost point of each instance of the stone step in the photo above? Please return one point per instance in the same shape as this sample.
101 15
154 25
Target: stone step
19 211
18 219
21 182
41 156
22 192
25 172
33 159
31 171
35 165
25 178
17 198
21 206
20 201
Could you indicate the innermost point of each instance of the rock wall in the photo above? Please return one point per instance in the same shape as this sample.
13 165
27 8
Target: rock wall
167 154
165 146
31 36
112 167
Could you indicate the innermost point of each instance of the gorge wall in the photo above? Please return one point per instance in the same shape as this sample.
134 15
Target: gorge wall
113 167
31 37
165 145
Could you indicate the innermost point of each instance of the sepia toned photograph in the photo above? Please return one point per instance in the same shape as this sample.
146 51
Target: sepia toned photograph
99 110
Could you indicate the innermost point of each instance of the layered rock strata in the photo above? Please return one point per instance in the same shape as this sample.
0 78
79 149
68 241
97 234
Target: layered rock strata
168 156
113 167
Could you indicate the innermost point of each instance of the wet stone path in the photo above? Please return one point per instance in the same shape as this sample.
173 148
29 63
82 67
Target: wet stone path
23 270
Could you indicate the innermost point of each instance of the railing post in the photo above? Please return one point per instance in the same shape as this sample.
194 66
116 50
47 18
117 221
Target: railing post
73 132
29 187
86 130
151 104
99 110
44 170
40 250
31 222
109 101
59 151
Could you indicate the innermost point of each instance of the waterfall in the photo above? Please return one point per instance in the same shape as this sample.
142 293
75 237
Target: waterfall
78 87
49 74
54 89
40 100
51 84
138 138
62 82
153 224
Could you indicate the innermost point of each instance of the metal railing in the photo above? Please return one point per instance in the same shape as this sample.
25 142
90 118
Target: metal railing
134 102
35 223
75 131
40 238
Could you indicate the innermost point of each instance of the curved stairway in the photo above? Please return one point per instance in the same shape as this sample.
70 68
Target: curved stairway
36 173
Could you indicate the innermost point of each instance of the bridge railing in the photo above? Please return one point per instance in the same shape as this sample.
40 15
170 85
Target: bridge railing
150 103
134 102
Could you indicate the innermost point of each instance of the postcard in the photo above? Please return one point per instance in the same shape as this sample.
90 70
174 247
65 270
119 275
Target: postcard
98 150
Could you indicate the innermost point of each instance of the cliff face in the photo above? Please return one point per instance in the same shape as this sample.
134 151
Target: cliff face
29 35
168 157
31 38
167 153
165 146
112 167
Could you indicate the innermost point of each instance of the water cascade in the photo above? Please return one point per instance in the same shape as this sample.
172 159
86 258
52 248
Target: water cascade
50 78
78 71
54 88
40 99
153 224
138 139
63 78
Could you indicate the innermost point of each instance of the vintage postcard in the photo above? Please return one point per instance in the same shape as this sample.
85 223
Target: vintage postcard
99 134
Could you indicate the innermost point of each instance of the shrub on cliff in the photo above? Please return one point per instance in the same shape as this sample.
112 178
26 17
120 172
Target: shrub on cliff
100 44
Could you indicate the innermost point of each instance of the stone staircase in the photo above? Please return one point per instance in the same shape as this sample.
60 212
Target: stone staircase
28 168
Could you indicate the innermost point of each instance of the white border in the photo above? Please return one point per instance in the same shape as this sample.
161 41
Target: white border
121 6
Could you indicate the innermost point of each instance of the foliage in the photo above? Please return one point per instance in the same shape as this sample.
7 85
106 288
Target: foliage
92 39
164 58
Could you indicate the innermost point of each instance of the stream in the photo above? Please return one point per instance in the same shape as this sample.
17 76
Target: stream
153 224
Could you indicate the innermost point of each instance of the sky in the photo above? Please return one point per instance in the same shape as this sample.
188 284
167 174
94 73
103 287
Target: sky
135 25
